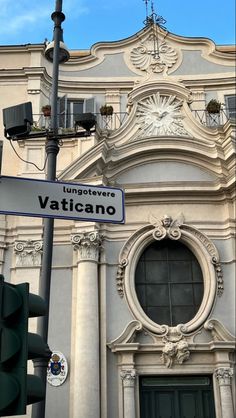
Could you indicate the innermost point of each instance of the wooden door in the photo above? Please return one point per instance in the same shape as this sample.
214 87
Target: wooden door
176 397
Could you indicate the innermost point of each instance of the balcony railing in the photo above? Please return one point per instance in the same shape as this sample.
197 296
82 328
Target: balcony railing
213 120
115 121
109 122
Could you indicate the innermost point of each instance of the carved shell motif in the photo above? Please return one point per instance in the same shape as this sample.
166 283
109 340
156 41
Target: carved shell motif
147 59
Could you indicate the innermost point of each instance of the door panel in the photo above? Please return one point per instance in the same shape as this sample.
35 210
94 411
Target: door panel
164 404
188 404
176 397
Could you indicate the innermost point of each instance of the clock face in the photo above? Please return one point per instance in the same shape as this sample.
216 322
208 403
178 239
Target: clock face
160 115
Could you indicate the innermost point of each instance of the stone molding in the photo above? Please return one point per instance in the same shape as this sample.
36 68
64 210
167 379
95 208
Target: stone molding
88 245
203 249
224 375
127 336
218 331
28 253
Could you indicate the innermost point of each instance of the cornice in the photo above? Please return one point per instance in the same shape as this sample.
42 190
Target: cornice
22 48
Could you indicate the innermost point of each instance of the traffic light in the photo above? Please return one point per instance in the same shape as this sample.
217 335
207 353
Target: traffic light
17 346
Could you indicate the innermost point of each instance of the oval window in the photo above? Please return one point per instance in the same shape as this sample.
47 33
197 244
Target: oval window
169 283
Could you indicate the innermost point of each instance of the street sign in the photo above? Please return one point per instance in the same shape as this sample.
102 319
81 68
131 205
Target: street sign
53 199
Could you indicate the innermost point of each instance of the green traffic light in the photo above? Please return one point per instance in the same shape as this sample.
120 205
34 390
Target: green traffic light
17 346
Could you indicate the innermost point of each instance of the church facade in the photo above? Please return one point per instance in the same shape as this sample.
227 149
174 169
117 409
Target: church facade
141 312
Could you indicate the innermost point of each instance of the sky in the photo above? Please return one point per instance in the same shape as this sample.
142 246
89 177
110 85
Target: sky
91 21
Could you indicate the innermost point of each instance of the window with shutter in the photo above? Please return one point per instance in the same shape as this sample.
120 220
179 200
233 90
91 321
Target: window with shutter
231 106
70 108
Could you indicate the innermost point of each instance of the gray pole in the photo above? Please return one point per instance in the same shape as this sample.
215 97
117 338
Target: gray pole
52 149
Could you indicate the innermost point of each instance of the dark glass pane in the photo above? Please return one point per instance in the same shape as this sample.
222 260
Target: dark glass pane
182 314
182 294
178 251
78 107
141 294
156 252
157 295
159 315
196 271
180 271
198 293
156 272
140 273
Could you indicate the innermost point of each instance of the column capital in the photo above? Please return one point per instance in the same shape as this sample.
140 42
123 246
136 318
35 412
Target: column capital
128 377
88 245
224 375
28 253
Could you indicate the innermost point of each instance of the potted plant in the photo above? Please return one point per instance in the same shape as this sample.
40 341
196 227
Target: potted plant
106 110
46 110
213 106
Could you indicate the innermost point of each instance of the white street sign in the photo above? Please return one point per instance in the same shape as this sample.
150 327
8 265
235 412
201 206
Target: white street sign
53 199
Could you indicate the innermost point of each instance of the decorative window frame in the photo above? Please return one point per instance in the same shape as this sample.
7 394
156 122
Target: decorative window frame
204 251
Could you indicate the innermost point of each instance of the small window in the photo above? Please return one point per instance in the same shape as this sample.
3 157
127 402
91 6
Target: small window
231 106
69 108
169 283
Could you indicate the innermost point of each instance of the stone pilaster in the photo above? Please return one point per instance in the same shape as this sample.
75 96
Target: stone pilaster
2 241
224 376
129 378
87 380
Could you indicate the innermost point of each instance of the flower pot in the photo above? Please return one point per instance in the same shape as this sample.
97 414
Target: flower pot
106 110
213 106
46 110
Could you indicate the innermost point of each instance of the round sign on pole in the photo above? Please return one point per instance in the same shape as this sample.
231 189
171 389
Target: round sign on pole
57 369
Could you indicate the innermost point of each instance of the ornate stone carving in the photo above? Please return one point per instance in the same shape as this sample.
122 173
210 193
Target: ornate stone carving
160 115
88 245
128 335
120 276
176 348
218 331
28 253
199 243
224 375
128 377
211 249
145 58
167 227
219 276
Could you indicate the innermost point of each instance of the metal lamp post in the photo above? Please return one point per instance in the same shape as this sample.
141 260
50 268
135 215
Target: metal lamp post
57 53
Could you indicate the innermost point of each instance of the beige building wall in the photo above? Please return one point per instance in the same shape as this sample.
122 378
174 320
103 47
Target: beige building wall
171 158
